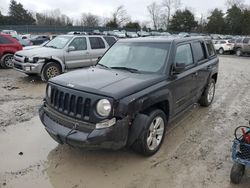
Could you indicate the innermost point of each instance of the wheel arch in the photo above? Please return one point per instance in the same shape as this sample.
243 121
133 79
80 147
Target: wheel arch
55 60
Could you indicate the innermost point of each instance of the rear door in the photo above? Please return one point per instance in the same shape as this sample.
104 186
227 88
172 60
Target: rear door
98 48
7 45
80 56
204 54
183 86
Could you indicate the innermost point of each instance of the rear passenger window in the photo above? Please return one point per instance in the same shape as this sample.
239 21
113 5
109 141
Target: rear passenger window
184 55
110 40
199 51
96 43
210 48
246 40
4 40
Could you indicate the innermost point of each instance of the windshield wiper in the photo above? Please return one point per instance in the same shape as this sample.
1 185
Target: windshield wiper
126 68
52 47
103 65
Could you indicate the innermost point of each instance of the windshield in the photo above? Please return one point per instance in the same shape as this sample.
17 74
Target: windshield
141 56
59 42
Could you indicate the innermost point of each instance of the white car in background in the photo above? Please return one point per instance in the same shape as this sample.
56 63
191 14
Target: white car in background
119 34
222 46
9 32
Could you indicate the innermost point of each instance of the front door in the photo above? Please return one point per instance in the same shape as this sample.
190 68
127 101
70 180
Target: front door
183 86
77 54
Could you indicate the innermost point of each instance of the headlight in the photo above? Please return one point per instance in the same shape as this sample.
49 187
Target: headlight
49 91
103 107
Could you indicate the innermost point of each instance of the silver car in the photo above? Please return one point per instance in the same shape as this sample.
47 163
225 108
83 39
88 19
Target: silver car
62 53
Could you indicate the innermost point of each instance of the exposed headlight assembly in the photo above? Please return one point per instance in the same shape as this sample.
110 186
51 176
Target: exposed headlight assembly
103 107
33 59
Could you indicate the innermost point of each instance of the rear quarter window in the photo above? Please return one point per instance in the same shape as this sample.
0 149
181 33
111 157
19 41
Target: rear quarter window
110 40
5 40
246 40
210 48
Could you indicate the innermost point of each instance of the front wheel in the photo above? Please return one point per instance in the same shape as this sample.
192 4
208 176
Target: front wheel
151 138
208 95
50 70
7 61
237 173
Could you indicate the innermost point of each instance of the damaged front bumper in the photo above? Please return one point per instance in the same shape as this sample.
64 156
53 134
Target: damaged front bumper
83 134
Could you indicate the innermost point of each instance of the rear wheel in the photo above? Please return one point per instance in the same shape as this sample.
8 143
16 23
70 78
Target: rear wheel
151 138
7 61
238 52
237 173
50 70
208 95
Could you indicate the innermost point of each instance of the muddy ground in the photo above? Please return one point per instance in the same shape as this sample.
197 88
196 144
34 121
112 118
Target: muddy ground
195 154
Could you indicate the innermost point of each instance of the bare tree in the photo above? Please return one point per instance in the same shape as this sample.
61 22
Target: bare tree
90 20
154 11
170 6
53 17
120 16
238 3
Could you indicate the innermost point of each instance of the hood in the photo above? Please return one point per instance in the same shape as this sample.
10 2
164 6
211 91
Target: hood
40 52
112 83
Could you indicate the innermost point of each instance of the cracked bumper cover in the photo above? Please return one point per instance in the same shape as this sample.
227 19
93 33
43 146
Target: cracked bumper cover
114 137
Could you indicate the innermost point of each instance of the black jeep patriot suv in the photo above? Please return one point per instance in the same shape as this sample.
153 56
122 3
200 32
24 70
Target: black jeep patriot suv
130 96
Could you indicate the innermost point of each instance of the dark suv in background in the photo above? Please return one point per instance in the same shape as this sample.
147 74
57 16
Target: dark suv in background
131 95
242 46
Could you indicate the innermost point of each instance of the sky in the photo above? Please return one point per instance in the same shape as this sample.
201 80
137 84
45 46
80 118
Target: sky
137 9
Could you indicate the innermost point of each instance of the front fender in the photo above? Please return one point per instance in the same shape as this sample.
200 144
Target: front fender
59 61
145 99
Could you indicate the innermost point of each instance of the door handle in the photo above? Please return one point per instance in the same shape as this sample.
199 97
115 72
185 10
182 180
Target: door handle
209 67
195 74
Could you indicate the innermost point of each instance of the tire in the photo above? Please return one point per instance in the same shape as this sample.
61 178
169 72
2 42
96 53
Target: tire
149 142
6 61
238 52
208 95
50 70
221 51
237 173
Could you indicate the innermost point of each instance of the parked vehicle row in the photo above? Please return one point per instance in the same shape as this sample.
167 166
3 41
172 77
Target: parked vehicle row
239 46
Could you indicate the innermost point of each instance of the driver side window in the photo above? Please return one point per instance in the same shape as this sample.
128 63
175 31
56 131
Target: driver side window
79 44
184 55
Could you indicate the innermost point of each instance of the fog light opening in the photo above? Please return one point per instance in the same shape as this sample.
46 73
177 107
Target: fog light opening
105 123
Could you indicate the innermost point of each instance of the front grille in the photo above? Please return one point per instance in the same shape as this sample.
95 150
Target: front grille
70 104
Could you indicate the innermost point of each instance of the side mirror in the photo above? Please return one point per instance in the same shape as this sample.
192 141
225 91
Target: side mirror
98 59
71 48
179 68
